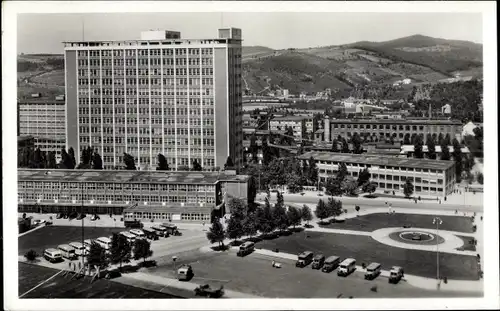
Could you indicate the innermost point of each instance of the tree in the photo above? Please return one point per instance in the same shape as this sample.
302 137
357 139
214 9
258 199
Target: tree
279 214
162 163
349 186
238 210
71 153
445 152
290 137
129 162
480 178
369 187
97 256
66 161
142 249
85 158
294 216
196 166
121 250
216 233
250 224
457 156
267 155
306 214
431 148
363 177
345 146
334 207
294 182
37 159
408 188
229 163
335 147
253 147
406 139
51 160
31 255
96 162
333 187
356 144
418 147
312 171
342 172
447 139
322 210
267 223
440 138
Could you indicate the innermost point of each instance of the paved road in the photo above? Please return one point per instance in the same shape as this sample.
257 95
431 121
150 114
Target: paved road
364 202
254 275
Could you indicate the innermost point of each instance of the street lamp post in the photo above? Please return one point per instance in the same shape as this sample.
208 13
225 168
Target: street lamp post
437 221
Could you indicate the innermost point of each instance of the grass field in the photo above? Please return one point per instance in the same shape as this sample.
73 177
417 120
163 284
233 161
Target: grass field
253 274
365 250
376 221
51 236
61 287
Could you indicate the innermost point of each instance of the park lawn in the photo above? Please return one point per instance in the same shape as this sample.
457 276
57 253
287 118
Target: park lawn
365 250
372 222
52 236
253 274
468 246
61 287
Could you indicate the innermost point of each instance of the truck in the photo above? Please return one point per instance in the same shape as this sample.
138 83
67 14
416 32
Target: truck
207 291
396 274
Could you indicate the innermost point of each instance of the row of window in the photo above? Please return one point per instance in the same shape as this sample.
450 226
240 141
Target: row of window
402 169
393 127
165 216
146 52
96 102
418 189
56 186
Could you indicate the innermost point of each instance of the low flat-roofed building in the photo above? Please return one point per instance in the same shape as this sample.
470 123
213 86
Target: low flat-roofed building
386 128
429 177
142 195
297 123
409 150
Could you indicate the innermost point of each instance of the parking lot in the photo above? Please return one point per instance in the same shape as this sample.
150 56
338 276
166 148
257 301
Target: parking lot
365 250
52 236
372 222
254 274
61 287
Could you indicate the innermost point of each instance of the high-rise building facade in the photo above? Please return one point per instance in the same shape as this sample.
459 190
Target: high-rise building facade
44 119
161 94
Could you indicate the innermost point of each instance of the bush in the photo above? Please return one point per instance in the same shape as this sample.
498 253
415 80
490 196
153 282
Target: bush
31 255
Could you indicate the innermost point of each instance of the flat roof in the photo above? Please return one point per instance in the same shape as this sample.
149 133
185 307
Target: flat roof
397 121
123 176
41 101
377 160
291 118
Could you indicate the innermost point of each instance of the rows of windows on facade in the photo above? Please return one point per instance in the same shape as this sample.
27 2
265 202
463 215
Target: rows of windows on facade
161 94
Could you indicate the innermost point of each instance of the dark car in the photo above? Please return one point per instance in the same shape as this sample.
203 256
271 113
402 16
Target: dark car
60 215
72 215
80 216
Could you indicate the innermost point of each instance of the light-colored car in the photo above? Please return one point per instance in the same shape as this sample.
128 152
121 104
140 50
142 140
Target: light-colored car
53 255
185 272
80 249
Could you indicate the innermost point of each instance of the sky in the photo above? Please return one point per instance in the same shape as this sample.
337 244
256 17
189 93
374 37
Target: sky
43 33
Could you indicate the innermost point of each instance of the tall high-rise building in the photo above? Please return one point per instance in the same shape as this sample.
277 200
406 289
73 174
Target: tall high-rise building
161 94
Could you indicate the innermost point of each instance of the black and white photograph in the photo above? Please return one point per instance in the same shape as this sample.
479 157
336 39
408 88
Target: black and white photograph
278 155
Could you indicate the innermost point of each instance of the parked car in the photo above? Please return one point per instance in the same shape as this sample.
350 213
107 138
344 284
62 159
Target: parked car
95 217
80 249
346 267
245 249
80 216
373 270
396 274
171 228
149 233
304 259
185 272
133 224
318 261
53 255
331 263
59 215
206 290
161 231
72 215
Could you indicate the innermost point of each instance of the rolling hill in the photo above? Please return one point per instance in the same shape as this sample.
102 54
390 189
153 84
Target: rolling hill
344 69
